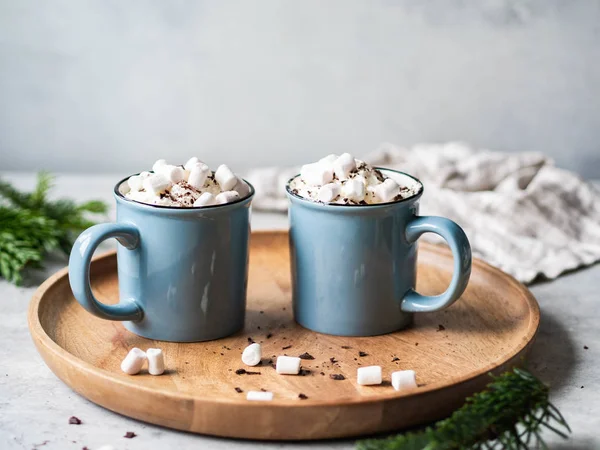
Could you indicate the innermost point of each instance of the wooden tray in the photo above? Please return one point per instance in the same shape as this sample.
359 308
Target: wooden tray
489 329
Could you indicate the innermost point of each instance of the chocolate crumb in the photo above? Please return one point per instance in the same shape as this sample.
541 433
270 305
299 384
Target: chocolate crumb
395 359
283 308
238 390
74 420
261 312
346 347
416 343
337 376
250 340
130 435
585 347
306 355
361 354
258 327
333 360
263 390
302 397
222 354
441 327
269 336
355 359
286 347
245 372
322 373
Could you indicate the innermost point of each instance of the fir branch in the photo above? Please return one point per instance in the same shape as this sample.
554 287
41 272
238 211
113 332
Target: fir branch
31 226
509 414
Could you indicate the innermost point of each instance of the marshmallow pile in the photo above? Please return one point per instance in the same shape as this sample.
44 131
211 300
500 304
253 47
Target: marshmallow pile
346 180
136 358
192 184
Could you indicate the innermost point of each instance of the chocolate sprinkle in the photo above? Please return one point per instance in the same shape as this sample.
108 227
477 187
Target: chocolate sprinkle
286 347
130 435
337 376
441 327
302 396
361 354
74 420
238 390
306 355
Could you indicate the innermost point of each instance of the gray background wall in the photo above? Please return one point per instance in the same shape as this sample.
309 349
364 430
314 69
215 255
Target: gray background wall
113 85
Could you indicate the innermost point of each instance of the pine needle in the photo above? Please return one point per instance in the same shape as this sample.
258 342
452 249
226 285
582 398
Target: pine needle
32 226
509 414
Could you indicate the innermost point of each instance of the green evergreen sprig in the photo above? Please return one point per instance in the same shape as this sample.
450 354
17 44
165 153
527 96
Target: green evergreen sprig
509 414
32 226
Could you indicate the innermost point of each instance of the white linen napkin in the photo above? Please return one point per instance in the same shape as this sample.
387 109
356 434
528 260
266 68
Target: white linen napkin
520 212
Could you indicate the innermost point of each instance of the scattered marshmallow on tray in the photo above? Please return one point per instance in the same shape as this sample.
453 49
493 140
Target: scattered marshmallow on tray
345 180
288 365
368 375
252 354
156 361
260 396
404 379
134 361
192 184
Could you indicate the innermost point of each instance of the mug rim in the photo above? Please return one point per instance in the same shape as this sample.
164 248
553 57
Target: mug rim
120 196
362 207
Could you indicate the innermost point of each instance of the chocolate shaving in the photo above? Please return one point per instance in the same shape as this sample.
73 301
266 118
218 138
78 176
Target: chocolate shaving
306 355
441 327
261 312
263 390
245 372
250 340
269 336
130 435
322 373
395 359
346 347
238 390
302 396
286 347
361 354
333 360
337 376
74 420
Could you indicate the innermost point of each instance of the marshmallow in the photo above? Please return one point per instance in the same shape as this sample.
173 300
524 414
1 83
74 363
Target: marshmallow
156 184
328 192
227 197
252 354
354 189
156 361
135 182
259 396
316 174
241 187
288 365
368 375
145 174
404 379
387 190
225 177
134 361
344 165
158 165
189 165
206 199
174 174
198 175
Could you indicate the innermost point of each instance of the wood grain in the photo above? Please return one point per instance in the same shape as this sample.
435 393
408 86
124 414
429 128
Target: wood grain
488 330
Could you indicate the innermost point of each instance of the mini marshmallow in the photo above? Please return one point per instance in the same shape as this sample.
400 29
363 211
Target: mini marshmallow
156 184
404 379
225 177
328 192
174 174
189 165
158 165
354 189
259 396
252 354
368 375
206 199
288 365
156 361
134 361
387 190
344 165
227 197
316 174
135 182
241 187
198 175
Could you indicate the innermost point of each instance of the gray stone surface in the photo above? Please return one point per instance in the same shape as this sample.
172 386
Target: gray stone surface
35 405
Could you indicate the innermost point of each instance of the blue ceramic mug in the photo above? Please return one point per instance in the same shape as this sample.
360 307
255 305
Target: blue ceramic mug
354 267
182 272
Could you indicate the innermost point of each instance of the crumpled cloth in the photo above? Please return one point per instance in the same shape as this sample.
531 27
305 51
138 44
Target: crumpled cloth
520 212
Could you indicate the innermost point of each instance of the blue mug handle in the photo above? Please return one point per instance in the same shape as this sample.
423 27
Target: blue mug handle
79 270
461 250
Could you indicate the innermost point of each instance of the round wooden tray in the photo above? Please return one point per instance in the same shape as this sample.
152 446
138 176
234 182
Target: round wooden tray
489 329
